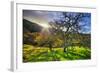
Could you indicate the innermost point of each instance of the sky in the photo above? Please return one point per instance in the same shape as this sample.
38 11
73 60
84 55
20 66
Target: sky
44 17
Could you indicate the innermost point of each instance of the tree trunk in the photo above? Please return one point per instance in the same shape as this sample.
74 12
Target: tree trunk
50 46
64 49
65 43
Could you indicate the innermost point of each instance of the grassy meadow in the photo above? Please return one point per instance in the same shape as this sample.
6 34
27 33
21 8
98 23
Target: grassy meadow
40 54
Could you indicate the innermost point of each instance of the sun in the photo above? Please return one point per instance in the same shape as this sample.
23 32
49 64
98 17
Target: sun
44 25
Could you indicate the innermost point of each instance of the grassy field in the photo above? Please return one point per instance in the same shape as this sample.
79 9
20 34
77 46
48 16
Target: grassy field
40 54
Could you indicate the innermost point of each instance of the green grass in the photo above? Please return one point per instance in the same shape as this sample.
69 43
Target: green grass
39 54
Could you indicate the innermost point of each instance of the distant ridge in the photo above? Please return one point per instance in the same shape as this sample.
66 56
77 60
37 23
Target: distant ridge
29 26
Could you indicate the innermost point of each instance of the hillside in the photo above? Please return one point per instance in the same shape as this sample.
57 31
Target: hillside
29 26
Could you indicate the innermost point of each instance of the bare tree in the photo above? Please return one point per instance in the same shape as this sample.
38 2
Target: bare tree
66 25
